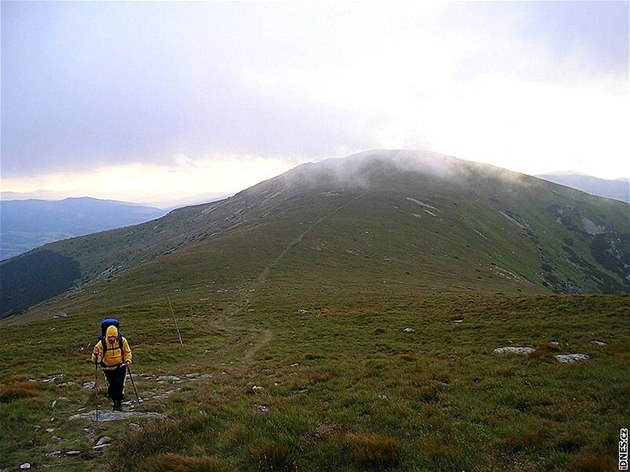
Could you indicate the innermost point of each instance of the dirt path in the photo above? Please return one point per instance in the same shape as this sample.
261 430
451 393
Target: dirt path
244 299
266 338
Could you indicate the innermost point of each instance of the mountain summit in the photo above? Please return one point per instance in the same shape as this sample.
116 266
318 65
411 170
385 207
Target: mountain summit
394 221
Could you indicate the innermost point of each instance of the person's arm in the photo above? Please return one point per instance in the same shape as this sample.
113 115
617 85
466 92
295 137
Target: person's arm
96 353
127 356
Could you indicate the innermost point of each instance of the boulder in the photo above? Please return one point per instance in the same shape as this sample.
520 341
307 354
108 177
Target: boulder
104 440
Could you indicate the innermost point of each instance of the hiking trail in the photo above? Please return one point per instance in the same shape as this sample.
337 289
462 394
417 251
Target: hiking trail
247 294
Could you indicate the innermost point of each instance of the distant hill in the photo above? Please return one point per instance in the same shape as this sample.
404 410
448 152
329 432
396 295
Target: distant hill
617 189
27 224
404 221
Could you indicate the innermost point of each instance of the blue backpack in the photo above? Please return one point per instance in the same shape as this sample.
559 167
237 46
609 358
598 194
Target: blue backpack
106 323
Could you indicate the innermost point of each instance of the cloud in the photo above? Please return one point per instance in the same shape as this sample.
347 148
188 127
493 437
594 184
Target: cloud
182 180
533 86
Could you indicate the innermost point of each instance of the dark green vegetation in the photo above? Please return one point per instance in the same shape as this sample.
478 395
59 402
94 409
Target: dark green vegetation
342 317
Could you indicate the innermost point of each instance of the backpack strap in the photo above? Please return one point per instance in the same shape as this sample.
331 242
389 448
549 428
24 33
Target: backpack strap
120 345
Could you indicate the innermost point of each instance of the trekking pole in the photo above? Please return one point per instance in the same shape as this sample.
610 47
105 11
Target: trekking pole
134 384
96 388
175 320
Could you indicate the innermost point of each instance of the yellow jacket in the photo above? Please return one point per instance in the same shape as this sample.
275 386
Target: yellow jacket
115 354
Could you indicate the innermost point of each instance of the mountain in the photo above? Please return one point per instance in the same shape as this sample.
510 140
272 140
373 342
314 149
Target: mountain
27 224
407 222
618 189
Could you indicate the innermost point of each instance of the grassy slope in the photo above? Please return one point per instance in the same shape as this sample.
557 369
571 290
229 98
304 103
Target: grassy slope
346 386
310 301
449 232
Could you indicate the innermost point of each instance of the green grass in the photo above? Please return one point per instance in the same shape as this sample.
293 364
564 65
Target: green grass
344 385
485 229
328 327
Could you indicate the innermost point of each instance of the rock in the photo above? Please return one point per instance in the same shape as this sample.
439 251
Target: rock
458 321
73 453
599 343
263 408
103 440
89 385
408 330
135 427
106 415
514 350
168 378
258 388
60 314
570 358
25 466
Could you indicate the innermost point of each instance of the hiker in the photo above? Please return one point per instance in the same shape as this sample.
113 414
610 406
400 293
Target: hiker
114 355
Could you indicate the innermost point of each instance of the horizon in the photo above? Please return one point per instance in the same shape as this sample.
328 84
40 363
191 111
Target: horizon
209 98
187 200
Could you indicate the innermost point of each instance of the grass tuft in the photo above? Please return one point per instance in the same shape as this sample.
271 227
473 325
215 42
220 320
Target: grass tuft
274 455
373 451
321 377
591 461
171 462
525 440
156 438
17 391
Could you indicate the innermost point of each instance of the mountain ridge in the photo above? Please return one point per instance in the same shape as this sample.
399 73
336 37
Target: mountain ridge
27 224
618 189
401 219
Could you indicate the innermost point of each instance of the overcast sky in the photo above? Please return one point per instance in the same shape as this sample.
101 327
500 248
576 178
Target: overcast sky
156 101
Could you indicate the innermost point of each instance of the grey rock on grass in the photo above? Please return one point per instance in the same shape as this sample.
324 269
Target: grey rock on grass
514 350
106 415
570 358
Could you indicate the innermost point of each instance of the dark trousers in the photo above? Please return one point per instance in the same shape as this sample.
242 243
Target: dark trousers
116 380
